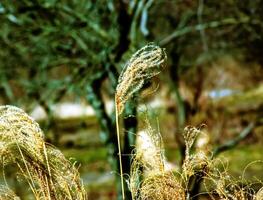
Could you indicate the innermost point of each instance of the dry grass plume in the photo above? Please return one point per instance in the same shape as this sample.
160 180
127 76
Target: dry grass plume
49 175
143 65
150 179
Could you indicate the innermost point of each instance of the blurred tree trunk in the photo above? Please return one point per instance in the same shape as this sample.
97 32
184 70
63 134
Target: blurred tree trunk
107 123
180 106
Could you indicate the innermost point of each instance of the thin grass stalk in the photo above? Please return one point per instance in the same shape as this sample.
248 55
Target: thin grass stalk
32 185
119 148
29 183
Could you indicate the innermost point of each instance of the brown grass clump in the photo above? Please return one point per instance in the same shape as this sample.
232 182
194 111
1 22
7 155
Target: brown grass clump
149 178
162 186
196 160
47 172
220 183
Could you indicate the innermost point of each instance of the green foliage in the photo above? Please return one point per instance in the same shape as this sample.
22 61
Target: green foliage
49 45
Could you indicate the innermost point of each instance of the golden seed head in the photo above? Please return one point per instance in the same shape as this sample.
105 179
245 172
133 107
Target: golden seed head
162 186
143 65
22 143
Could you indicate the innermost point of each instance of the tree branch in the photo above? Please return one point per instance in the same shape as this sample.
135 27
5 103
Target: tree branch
232 143
201 27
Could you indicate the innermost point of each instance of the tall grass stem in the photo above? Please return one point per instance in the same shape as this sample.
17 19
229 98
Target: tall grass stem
119 148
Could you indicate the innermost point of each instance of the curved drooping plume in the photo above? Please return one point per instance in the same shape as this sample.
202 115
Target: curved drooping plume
143 65
46 170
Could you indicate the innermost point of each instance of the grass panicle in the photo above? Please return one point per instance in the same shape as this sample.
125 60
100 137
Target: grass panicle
149 150
224 186
150 178
161 186
143 65
49 175
195 160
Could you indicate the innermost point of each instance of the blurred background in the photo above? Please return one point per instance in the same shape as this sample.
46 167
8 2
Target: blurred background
60 62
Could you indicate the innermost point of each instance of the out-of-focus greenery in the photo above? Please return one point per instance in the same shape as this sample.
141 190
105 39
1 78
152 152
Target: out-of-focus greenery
48 46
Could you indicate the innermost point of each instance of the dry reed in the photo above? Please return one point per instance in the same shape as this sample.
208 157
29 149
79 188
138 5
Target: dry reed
142 66
149 178
161 186
49 175
196 159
